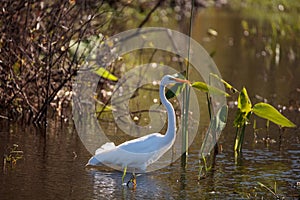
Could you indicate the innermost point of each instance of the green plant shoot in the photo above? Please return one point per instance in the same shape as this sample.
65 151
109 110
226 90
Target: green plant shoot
263 110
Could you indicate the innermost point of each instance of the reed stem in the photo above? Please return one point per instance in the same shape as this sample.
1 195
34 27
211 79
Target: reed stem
186 98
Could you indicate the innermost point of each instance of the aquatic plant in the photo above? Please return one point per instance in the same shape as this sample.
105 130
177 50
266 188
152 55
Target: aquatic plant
272 191
246 109
242 118
262 110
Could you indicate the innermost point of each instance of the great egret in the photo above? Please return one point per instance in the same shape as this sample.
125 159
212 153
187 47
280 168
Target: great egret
141 152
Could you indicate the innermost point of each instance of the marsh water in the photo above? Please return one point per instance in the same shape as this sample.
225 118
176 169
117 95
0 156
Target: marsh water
53 161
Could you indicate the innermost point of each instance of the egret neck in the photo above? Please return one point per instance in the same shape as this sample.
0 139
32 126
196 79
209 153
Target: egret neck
170 134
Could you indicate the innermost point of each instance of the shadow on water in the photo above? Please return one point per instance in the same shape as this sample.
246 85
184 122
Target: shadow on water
53 163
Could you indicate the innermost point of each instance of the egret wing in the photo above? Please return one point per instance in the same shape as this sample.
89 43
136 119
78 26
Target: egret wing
145 144
105 147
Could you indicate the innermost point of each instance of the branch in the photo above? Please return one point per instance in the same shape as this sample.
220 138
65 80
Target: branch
150 13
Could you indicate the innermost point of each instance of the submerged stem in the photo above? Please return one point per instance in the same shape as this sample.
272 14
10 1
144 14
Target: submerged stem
239 138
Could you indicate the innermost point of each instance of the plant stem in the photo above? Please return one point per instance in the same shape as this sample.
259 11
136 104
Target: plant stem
208 105
186 98
185 126
239 138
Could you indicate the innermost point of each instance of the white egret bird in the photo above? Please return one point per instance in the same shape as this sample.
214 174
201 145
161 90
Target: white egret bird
141 152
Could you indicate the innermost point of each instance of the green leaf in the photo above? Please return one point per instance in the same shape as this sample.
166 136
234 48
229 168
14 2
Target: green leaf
103 108
244 109
78 48
16 67
175 90
213 53
221 117
241 118
268 112
245 25
83 47
269 189
208 89
227 85
244 103
217 124
105 74
201 86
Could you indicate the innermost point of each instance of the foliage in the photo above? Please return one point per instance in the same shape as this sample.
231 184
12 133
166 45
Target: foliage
268 112
208 89
83 49
263 110
280 15
13 156
35 61
273 192
43 42
217 124
177 88
244 111
278 21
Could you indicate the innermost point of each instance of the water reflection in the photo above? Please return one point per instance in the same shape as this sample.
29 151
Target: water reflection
107 185
104 184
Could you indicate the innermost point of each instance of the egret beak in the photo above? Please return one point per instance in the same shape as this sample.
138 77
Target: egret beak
182 81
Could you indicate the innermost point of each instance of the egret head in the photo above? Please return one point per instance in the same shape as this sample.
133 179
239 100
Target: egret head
169 79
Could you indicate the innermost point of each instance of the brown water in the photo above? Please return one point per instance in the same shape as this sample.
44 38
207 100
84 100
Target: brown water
53 163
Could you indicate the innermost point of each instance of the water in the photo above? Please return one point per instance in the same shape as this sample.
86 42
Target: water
53 168
53 163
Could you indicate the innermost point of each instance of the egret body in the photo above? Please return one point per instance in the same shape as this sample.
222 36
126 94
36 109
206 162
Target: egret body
141 152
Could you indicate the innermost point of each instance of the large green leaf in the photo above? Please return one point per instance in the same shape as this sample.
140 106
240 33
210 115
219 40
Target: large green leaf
268 112
201 86
244 103
208 89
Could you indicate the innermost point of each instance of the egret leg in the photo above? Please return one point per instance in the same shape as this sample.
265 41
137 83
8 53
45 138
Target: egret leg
124 174
132 180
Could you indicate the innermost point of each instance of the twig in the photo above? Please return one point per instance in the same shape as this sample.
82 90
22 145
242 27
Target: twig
4 117
150 13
